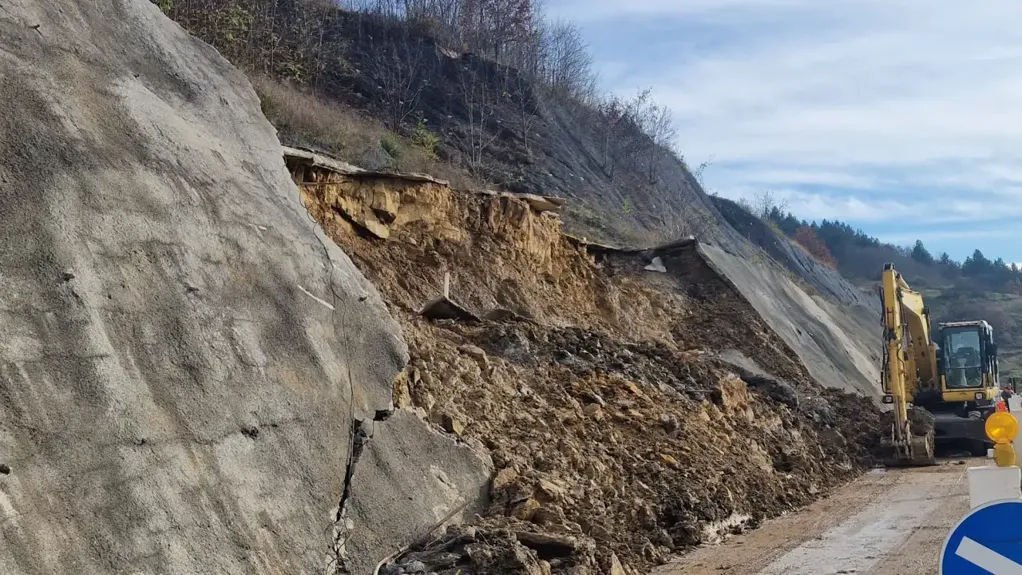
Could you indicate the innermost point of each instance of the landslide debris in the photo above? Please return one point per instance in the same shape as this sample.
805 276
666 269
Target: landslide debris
628 414
920 421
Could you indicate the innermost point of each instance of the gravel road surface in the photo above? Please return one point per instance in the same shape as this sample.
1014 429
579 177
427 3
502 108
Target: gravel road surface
887 522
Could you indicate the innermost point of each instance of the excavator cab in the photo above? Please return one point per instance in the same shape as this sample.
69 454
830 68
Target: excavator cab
969 385
967 362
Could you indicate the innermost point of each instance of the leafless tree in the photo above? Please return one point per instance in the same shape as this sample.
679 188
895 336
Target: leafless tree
568 63
519 88
387 8
658 124
698 173
763 203
441 18
609 114
405 80
629 128
509 32
479 99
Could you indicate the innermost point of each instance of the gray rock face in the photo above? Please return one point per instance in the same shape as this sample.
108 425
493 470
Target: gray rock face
182 351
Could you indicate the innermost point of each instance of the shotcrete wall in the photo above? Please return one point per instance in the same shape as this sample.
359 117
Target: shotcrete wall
184 357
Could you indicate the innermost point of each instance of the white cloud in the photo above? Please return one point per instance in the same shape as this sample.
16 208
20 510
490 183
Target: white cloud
584 10
863 110
910 238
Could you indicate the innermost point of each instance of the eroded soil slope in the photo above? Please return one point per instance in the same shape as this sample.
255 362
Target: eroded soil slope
629 413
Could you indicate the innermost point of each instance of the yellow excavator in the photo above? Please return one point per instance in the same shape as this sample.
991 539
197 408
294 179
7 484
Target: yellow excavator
940 392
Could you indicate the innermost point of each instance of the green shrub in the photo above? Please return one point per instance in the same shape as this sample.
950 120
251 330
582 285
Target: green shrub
390 146
424 139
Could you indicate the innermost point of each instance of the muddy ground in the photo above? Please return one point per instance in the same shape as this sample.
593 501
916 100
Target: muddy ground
630 415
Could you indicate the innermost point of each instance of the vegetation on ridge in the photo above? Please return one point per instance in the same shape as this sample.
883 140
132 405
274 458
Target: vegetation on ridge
483 92
856 254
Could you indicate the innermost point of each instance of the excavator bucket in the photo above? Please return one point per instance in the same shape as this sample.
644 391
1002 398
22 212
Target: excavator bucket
914 445
917 451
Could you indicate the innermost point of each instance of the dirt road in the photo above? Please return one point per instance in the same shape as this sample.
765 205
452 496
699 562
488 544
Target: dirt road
887 522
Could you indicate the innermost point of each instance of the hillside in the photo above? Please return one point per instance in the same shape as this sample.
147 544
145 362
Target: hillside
408 100
216 359
221 354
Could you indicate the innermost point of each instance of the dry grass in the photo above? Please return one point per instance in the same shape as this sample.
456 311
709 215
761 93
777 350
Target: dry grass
302 115
304 119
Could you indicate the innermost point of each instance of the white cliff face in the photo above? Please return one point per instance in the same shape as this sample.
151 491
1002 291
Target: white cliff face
183 353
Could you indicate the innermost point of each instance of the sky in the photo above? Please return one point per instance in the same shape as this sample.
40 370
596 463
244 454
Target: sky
901 117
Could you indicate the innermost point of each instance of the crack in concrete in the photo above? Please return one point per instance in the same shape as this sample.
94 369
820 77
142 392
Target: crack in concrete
359 441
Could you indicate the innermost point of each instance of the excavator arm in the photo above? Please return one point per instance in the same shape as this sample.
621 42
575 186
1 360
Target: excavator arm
910 363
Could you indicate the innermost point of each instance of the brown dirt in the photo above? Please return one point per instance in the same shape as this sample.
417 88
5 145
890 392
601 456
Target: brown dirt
617 436
920 421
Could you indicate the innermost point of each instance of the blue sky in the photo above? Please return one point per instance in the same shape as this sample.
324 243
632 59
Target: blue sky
902 117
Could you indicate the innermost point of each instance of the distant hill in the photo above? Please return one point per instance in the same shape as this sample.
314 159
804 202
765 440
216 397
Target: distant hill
978 288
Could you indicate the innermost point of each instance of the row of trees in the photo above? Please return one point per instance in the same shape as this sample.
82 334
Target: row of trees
541 54
838 244
513 33
978 266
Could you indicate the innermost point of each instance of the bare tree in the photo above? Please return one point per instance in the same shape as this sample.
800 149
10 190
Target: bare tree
764 203
568 63
399 61
519 88
658 124
390 8
479 100
441 18
609 114
698 173
630 128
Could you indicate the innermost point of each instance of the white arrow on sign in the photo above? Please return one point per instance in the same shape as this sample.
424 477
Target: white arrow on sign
986 558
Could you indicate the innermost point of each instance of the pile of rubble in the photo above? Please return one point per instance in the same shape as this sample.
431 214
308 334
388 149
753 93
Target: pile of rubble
630 452
628 418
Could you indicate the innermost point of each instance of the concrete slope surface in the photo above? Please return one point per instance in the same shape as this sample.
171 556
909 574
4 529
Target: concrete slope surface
795 259
836 341
835 333
183 355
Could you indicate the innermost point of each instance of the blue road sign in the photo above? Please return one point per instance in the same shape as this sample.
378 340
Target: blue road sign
987 541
